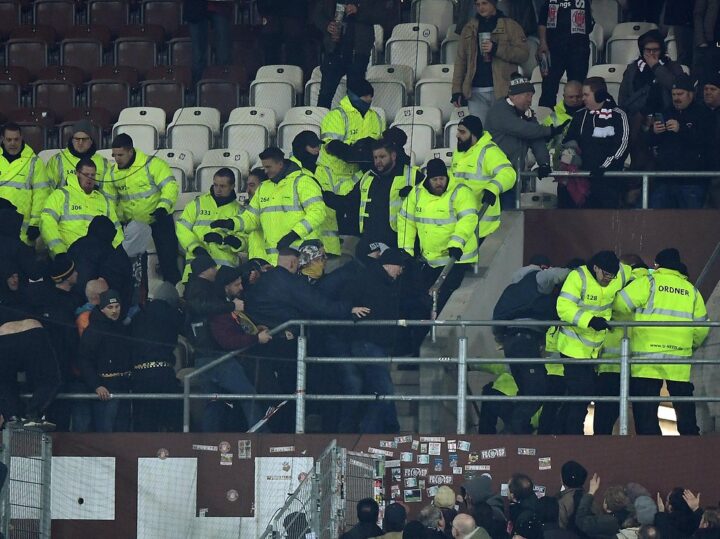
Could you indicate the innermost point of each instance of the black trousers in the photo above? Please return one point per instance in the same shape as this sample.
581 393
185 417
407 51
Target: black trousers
645 413
28 351
155 415
166 245
334 66
529 377
549 417
570 57
490 411
580 380
452 282
606 413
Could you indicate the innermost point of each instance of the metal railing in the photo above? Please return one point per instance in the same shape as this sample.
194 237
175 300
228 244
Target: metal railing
461 397
623 175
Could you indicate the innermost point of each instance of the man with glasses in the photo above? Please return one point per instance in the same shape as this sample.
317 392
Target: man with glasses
81 144
69 210
564 110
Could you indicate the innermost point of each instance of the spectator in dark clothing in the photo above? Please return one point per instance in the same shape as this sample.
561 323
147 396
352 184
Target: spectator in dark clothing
548 512
105 358
24 346
679 18
530 528
706 17
155 331
432 519
523 501
573 477
284 26
645 89
230 332
394 520
601 131
478 490
711 100
348 39
616 508
676 518
12 247
564 29
682 142
200 14
367 514
486 518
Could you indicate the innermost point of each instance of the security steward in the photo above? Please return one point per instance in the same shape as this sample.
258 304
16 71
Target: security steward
440 212
374 202
348 129
288 207
147 193
198 231
585 302
23 180
69 210
665 295
482 166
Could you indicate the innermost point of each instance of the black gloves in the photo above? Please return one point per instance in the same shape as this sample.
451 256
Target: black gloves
33 233
489 197
339 149
405 191
287 239
159 213
598 324
223 223
233 241
597 173
556 130
213 237
455 252
362 151
200 251
459 98
543 171
329 198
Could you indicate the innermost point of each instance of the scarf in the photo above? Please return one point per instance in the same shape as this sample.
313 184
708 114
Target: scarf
602 119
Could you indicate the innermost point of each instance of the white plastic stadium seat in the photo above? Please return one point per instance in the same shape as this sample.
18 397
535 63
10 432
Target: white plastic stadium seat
632 29
276 87
393 72
417 31
536 81
181 162
421 124
607 13
45 155
379 44
450 129
288 131
107 154
413 53
238 161
440 153
597 44
154 116
248 129
297 120
448 49
308 115
312 90
612 73
437 12
287 73
199 115
198 138
434 88
622 46
144 135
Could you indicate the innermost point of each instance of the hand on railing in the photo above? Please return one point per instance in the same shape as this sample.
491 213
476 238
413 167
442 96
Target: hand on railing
264 336
360 312
102 393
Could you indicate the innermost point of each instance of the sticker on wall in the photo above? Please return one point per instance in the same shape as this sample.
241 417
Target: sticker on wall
452 460
438 465
529 451
423 459
403 439
457 470
163 453
406 456
463 445
496 453
244 449
226 459
544 463
232 495
413 495
432 438
224 447
199 447
392 444
283 449
434 448
384 452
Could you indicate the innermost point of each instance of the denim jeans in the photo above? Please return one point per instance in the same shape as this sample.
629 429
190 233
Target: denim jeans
379 416
334 66
228 377
199 35
112 415
481 99
669 195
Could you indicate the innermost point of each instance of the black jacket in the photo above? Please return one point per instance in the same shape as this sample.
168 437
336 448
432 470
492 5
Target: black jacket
362 530
12 248
600 526
678 524
522 511
608 152
359 34
280 296
376 290
104 348
155 332
689 148
203 300
551 530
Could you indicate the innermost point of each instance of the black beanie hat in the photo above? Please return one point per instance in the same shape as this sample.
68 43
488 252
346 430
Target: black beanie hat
669 258
573 474
102 228
436 167
360 87
200 264
396 136
606 261
227 275
303 139
108 297
61 268
473 124
652 36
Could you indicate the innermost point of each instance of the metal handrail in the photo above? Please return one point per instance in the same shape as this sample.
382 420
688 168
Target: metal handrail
645 174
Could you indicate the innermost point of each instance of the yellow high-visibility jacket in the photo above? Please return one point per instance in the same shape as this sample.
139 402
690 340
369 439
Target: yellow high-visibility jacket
440 222
485 167
61 167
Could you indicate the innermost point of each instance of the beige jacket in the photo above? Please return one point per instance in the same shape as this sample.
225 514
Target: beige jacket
512 50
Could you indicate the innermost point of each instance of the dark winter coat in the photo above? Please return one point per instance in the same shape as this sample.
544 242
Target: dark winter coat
155 332
362 530
359 35
607 152
648 90
104 348
598 526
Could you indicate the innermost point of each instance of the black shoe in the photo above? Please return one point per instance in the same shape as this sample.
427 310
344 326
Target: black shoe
39 424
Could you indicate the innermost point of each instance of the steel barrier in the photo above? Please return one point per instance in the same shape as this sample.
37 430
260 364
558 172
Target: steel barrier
644 174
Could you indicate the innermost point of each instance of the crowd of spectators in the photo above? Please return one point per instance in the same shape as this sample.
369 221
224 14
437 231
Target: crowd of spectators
481 511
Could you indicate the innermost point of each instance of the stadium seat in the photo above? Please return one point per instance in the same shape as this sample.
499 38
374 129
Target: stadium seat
180 51
84 53
111 13
249 129
100 119
28 48
199 115
236 160
221 94
46 155
144 136
9 17
181 162
113 95
296 120
107 154
536 80
417 31
169 95
531 63
276 87
60 14
434 88
379 45
233 73
166 13
421 124
612 73
392 84
13 83
607 14
437 12
445 154
622 47
35 123
97 32
56 89
138 47
153 116
597 45
190 135
413 53
119 73
450 128
671 46
312 89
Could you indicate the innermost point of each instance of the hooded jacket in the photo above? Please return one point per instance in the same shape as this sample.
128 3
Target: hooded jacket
12 248
605 525
104 349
